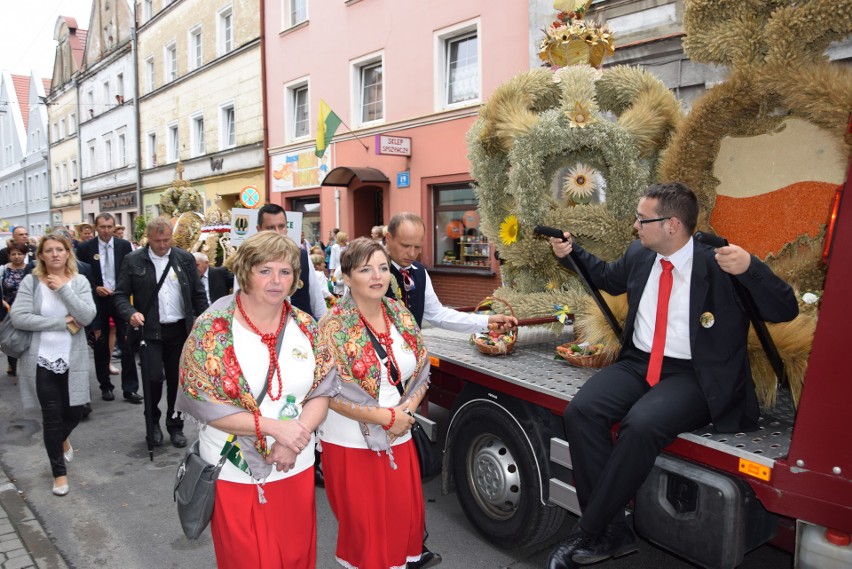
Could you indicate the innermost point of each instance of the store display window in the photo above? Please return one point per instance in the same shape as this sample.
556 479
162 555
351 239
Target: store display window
458 241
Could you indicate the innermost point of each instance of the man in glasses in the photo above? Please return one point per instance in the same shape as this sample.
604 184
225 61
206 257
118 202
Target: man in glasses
683 362
413 286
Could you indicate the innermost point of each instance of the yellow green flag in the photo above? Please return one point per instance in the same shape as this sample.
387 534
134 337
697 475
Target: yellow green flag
327 123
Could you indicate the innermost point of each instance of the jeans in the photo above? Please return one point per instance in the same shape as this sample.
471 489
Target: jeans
59 418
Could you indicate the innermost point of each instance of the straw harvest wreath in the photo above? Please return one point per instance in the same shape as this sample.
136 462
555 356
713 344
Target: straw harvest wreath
576 147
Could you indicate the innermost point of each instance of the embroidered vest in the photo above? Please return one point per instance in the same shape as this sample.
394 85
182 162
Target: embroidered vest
301 299
415 300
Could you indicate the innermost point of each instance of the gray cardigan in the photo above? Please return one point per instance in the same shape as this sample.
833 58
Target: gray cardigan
26 315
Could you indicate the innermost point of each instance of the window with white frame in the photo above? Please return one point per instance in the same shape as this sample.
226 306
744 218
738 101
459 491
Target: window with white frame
149 74
297 110
107 154
225 31
90 97
122 150
57 180
170 62
56 131
61 129
72 123
172 143
196 48
151 147
227 126
370 81
457 74
295 12
196 135
72 174
92 162
147 10
119 88
108 102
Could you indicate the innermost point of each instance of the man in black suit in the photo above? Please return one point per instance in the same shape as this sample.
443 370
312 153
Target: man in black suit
683 362
165 316
105 253
217 281
22 236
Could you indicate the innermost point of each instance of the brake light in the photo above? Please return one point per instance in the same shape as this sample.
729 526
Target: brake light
832 222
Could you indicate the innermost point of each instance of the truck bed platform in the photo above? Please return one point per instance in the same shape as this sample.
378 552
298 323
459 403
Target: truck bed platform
533 365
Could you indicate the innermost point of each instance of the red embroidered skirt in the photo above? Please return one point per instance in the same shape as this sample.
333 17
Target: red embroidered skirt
282 533
379 510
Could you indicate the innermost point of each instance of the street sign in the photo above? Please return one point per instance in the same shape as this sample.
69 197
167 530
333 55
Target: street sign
403 179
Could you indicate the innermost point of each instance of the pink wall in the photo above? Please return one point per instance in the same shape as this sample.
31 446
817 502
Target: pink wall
336 34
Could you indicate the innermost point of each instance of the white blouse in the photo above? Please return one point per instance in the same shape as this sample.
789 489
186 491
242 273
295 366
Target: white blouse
296 359
342 431
54 350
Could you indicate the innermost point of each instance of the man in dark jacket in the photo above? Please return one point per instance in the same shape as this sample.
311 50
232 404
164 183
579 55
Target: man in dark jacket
21 235
683 362
105 254
164 313
217 281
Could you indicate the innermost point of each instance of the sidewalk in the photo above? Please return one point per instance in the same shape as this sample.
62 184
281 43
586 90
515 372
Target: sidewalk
23 541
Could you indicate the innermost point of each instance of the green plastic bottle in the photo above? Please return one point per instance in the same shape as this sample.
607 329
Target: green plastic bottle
290 409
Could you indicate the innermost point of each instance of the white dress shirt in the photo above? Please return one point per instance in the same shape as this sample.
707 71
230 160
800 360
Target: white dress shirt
677 327
205 280
104 256
442 317
170 297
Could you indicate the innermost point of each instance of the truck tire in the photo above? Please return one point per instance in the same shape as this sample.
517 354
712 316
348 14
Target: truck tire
497 481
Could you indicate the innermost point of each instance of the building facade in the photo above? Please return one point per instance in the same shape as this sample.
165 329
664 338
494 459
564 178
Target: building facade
108 136
24 184
408 81
62 115
200 98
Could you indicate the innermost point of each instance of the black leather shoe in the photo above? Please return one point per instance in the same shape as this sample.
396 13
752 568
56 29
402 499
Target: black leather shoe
107 395
87 409
427 559
617 540
156 436
132 397
560 558
178 440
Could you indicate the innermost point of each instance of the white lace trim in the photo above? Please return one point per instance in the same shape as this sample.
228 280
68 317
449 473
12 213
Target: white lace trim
57 366
409 559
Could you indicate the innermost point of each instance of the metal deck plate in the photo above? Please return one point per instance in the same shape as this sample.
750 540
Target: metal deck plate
532 364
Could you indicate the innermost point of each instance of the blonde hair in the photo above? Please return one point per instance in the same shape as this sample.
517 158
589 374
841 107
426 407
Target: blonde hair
317 259
341 238
70 262
260 248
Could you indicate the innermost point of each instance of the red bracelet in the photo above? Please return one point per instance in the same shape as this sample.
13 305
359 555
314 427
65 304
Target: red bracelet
261 440
393 419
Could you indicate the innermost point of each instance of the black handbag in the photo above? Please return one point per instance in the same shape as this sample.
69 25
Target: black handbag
195 482
428 457
134 334
14 342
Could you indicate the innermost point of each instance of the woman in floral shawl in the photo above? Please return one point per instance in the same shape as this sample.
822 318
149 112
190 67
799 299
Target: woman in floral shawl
262 517
372 477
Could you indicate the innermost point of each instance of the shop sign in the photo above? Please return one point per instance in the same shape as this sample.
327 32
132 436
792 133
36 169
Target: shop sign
299 170
126 200
393 145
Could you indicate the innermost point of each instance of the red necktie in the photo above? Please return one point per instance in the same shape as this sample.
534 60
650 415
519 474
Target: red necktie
407 281
658 348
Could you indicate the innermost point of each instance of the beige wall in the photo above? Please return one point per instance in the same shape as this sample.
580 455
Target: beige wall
62 152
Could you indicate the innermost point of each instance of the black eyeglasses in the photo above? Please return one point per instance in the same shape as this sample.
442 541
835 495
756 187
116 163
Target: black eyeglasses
642 222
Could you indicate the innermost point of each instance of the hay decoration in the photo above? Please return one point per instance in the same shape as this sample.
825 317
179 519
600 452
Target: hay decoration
793 340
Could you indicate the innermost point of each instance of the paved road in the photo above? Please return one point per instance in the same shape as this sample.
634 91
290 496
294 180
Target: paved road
120 512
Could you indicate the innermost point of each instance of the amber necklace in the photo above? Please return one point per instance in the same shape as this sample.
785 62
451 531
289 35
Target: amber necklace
270 340
387 343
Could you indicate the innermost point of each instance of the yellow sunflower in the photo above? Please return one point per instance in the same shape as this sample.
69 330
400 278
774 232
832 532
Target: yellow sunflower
580 183
509 230
579 116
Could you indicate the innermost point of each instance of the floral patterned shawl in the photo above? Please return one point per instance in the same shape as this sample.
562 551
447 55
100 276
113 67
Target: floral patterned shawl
212 381
345 351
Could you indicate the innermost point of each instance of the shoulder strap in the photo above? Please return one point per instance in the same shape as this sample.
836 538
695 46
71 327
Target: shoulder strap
380 350
159 286
266 383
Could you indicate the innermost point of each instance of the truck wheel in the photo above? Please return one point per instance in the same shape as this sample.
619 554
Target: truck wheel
497 481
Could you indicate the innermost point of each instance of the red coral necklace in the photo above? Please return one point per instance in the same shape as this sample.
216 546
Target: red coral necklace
270 340
387 343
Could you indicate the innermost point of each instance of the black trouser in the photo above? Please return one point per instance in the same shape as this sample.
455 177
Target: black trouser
607 475
13 364
103 355
58 417
160 361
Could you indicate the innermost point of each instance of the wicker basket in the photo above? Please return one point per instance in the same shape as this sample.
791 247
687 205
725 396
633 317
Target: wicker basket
506 342
592 360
